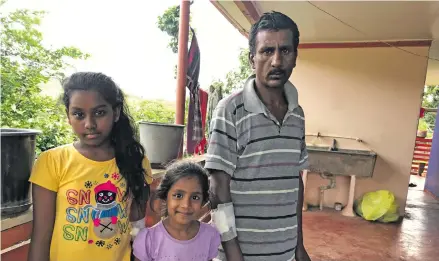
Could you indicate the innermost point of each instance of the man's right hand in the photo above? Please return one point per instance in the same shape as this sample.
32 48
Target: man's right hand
220 188
233 251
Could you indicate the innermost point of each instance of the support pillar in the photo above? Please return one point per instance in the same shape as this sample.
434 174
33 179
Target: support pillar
304 179
183 37
348 211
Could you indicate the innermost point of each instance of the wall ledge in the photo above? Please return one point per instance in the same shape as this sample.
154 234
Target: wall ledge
23 218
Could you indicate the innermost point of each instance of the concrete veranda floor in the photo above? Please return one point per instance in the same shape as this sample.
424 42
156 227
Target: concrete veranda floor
329 236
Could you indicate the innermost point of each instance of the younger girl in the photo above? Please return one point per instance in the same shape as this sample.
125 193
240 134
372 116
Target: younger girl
180 236
85 194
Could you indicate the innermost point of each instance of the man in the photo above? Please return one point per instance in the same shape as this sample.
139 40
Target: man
257 150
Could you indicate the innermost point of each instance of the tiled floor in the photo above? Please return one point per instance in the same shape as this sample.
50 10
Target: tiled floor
329 236
418 181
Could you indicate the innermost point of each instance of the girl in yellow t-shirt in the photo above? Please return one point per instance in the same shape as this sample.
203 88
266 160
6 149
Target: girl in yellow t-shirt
87 194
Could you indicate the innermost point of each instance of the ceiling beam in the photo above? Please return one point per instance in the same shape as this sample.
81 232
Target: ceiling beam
248 9
421 43
229 18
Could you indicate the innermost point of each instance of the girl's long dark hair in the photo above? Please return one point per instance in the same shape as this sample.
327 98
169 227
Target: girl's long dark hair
128 150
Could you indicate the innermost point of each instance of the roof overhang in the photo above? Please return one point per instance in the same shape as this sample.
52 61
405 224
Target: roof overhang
328 24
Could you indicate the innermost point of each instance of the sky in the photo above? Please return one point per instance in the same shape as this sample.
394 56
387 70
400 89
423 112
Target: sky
125 43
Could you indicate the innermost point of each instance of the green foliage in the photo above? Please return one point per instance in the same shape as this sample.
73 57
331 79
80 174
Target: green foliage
26 65
152 111
235 79
169 23
431 100
422 125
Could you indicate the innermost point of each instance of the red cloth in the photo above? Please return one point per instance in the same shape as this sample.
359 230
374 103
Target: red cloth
422 113
203 104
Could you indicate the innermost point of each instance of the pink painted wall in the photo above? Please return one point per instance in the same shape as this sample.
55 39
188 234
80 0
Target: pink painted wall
370 93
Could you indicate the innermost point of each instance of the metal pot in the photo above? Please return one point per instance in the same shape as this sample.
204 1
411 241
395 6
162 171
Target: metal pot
161 141
17 155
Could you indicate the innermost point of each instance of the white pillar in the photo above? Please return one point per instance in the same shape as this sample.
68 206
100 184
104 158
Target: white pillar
348 211
304 178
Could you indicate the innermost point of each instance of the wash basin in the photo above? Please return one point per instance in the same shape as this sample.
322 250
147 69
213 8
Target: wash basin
342 162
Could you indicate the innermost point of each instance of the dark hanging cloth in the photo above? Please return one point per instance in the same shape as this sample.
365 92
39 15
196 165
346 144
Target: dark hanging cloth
195 124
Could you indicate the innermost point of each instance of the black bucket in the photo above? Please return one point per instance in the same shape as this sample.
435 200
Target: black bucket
18 155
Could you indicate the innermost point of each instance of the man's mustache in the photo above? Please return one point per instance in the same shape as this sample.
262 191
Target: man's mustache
276 71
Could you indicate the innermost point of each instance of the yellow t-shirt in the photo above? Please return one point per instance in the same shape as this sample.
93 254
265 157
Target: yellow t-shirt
91 220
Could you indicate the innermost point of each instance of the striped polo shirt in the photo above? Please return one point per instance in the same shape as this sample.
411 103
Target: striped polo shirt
263 157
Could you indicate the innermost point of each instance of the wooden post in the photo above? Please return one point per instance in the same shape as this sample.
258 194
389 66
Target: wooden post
183 37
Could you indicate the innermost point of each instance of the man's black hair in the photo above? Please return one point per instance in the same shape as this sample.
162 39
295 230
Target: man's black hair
273 21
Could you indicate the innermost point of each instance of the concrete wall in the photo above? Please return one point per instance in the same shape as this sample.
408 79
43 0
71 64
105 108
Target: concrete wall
370 93
432 180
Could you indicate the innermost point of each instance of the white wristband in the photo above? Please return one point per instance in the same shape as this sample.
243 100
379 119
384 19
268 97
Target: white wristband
136 227
224 220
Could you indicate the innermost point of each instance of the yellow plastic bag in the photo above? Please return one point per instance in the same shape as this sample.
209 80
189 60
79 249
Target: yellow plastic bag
378 206
392 215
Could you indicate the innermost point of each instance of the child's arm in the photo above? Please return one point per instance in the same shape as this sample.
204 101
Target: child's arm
138 213
138 210
44 206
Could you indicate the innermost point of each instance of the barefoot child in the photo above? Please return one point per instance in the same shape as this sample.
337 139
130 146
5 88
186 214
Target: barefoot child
86 194
180 236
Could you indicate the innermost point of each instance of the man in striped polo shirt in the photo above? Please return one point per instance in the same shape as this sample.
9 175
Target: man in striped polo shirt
256 152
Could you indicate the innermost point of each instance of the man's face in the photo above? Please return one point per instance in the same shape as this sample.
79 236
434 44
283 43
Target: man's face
274 57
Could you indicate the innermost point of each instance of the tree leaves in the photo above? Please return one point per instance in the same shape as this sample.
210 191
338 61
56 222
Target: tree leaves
236 78
431 100
152 111
26 65
168 23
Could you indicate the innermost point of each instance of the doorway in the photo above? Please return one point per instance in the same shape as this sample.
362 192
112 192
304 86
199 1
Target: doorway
424 138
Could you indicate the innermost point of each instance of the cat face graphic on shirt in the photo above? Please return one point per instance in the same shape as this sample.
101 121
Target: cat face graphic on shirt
105 197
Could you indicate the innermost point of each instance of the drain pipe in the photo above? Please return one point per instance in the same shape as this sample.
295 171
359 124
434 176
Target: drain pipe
331 185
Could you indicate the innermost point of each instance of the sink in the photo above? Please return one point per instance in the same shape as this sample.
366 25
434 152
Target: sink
342 162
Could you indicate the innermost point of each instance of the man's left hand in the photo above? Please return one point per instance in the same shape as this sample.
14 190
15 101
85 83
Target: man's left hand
301 254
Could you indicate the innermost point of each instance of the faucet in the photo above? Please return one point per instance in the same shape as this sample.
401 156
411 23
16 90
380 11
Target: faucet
334 146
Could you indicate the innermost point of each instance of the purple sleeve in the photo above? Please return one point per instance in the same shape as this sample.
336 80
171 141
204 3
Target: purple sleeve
214 244
141 246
